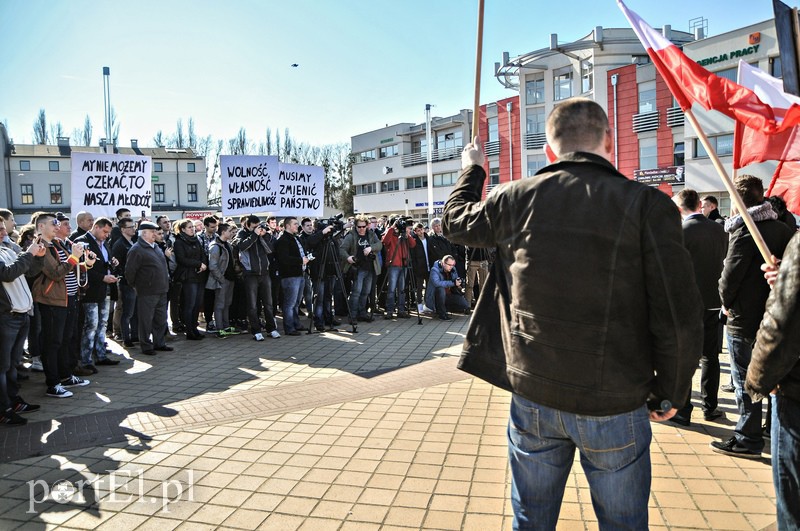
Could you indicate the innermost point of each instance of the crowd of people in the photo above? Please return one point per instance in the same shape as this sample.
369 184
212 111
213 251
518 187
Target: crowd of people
66 292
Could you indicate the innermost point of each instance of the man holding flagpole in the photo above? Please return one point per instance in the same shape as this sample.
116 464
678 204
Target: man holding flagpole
582 326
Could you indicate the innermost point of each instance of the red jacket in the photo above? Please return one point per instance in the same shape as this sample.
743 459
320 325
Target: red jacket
396 257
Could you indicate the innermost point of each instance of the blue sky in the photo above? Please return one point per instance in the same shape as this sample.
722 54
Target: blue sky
363 63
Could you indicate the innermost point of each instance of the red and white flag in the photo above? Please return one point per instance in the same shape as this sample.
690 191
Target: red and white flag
751 145
691 83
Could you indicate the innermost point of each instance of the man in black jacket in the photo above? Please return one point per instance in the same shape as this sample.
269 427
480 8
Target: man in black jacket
95 297
593 313
292 261
775 368
707 244
744 296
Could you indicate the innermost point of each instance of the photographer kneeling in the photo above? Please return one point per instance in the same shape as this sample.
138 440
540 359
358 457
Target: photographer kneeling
444 288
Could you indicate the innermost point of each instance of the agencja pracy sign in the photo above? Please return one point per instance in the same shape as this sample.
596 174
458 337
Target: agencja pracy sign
253 184
103 183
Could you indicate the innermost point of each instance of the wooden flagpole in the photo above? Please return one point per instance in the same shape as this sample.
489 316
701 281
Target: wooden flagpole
735 197
478 55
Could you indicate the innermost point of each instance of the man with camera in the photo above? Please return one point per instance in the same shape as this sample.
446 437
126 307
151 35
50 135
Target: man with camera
358 252
397 241
292 265
319 289
445 289
253 244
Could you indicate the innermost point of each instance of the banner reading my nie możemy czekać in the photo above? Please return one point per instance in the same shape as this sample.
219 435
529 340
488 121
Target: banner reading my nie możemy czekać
253 184
103 183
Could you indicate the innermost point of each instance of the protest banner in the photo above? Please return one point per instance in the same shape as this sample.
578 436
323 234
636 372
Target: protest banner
103 183
261 184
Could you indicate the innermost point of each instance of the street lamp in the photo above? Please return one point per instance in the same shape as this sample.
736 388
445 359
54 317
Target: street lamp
107 106
429 140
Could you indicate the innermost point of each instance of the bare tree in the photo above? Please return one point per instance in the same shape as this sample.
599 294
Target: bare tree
77 136
192 135
278 142
287 145
158 139
179 140
239 145
86 137
269 142
40 128
56 131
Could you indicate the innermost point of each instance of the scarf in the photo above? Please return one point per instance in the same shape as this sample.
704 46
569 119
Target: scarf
760 212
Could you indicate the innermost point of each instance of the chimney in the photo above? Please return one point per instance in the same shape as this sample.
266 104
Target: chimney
134 143
63 141
699 33
666 31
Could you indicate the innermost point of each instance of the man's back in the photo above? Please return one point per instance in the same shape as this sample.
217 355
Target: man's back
707 244
594 263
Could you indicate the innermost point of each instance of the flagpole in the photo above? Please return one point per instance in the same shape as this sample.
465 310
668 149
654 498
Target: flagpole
478 54
735 197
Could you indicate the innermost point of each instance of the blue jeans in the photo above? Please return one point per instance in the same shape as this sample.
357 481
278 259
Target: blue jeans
323 299
615 456
94 331
397 281
444 302
293 288
130 323
191 299
360 291
785 442
13 332
748 428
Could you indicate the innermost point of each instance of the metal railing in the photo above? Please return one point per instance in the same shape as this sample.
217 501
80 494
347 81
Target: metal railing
492 148
645 121
412 159
675 117
535 140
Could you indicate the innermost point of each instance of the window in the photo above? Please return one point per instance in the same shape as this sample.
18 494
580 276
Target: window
190 167
390 186
562 83
534 90
55 194
191 190
722 144
678 154
729 73
417 182
53 165
160 193
158 166
494 173
587 76
27 193
365 156
389 151
493 133
648 153
445 179
535 163
419 145
449 140
25 165
647 97
776 67
362 189
534 120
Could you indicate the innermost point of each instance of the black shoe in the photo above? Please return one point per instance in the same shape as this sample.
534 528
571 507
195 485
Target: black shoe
12 419
319 328
193 337
680 420
445 318
301 329
164 348
337 322
129 343
149 352
403 315
713 414
91 368
728 388
20 406
732 448
107 361
388 317
292 333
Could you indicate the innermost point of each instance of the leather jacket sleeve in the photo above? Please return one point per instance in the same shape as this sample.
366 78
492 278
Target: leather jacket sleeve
777 347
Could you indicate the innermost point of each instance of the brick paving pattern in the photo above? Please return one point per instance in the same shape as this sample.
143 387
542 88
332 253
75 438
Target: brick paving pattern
376 430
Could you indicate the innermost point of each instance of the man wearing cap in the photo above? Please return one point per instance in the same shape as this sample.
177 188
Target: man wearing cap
146 271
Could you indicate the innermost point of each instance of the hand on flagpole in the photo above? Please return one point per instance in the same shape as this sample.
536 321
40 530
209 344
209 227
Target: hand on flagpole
472 154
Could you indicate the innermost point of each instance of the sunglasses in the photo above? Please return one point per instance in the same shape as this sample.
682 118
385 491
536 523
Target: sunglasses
361 226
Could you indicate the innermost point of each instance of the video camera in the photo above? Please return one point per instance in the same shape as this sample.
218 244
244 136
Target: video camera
401 223
335 222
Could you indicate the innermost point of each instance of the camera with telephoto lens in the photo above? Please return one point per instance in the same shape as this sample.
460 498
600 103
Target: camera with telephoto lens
401 223
335 222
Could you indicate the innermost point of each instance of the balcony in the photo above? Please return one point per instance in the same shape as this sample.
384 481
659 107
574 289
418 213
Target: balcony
646 121
413 159
535 140
492 148
675 117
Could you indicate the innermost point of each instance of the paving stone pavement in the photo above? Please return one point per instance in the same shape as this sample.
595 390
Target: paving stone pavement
376 430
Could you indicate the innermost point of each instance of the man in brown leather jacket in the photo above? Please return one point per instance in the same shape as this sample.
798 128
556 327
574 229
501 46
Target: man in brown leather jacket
775 365
586 312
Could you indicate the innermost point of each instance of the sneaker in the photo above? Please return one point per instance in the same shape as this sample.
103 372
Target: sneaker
258 337
91 368
82 371
36 364
74 381
20 406
58 392
12 419
732 448
274 334
232 330
210 327
728 388
420 308
106 361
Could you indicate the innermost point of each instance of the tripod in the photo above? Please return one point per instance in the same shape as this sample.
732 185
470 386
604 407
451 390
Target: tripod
411 286
329 252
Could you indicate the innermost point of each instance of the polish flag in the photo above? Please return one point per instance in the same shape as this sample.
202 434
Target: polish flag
751 146
691 83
